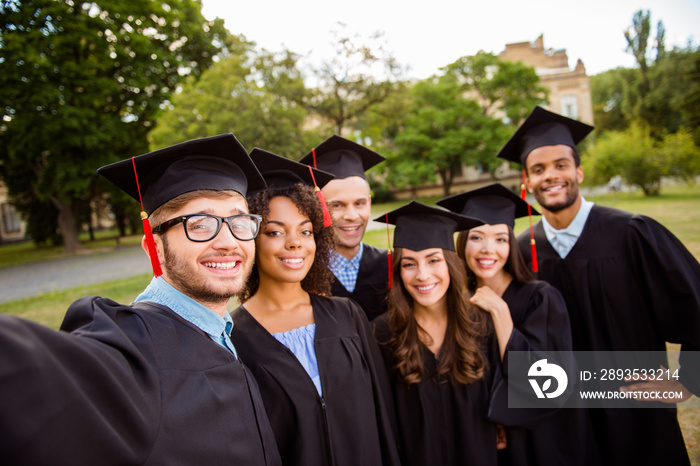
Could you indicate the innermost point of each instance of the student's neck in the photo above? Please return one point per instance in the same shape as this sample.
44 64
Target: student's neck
435 313
280 296
563 218
348 253
497 283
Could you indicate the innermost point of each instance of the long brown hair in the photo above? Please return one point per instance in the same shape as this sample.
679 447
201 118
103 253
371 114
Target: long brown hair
460 359
318 280
515 265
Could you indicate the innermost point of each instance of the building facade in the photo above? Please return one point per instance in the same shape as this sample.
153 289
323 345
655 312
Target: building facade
569 89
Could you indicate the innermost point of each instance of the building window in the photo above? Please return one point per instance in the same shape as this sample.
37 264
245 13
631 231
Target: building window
10 219
569 106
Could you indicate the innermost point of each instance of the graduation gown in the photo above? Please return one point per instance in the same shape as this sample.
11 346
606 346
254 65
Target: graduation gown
124 385
441 423
351 424
629 285
538 437
372 283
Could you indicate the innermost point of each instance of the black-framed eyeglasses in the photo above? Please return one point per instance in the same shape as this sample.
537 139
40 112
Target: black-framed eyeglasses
204 227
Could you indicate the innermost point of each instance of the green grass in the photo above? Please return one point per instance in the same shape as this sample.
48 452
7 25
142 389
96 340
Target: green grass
678 208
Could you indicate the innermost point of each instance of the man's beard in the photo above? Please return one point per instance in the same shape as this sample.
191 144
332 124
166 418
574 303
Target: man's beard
557 206
195 286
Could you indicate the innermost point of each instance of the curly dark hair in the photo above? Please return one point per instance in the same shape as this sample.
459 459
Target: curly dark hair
318 280
515 265
461 359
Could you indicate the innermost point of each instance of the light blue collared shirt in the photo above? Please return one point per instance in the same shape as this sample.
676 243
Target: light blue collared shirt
346 270
218 328
564 240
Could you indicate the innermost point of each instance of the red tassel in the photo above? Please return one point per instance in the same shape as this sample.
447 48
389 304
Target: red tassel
391 265
324 207
326 214
391 262
150 242
522 188
533 249
151 246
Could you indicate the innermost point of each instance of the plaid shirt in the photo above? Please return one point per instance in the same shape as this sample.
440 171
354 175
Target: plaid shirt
346 270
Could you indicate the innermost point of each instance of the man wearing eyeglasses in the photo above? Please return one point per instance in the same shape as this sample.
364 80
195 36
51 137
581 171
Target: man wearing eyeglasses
158 381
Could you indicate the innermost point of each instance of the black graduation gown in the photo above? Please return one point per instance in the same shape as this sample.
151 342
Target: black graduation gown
629 285
441 423
351 424
372 283
538 437
126 385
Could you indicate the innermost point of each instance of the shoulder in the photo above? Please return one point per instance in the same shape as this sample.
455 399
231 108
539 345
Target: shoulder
373 252
335 304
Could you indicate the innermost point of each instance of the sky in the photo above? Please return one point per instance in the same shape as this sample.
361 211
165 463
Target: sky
428 35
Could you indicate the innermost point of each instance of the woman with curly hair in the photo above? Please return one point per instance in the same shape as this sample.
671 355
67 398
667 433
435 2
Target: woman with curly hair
320 372
436 344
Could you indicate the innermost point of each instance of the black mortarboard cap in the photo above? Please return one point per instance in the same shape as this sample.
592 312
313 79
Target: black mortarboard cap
217 163
282 173
543 128
419 226
494 204
342 157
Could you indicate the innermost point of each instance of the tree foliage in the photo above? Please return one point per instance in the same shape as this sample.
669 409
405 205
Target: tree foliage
505 87
361 75
81 85
258 97
640 159
442 132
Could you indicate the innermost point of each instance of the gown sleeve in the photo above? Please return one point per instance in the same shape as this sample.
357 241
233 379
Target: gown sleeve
381 387
87 394
542 328
672 282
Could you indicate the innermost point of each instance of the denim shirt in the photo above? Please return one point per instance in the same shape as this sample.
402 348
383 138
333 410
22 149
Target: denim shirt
218 328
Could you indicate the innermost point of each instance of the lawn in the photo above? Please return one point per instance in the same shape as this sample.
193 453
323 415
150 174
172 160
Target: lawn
678 208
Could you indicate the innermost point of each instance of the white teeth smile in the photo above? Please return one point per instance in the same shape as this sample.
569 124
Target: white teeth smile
349 228
554 188
426 287
293 261
221 265
487 261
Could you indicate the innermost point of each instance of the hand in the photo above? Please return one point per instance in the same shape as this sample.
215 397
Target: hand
501 443
489 301
658 385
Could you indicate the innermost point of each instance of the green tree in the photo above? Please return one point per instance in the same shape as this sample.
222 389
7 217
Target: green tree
441 133
640 159
500 86
258 97
360 76
609 90
81 84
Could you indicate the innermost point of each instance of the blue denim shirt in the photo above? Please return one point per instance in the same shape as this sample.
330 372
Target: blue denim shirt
218 328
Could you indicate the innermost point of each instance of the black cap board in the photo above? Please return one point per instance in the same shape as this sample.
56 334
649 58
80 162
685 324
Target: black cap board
281 172
218 163
543 128
419 226
342 157
494 204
